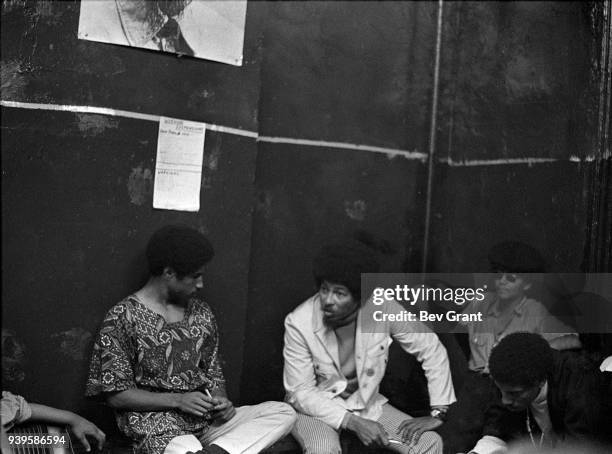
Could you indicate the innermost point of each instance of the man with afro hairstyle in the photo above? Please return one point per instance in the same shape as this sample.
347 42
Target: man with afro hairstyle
335 361
546 397
156 362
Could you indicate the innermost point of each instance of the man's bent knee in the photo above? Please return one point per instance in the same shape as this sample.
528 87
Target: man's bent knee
286 409
278 408
281 409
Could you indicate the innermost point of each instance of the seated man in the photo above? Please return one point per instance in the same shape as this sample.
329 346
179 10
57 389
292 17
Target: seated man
548 397
155 361
15 410
510 308
506 310
333 365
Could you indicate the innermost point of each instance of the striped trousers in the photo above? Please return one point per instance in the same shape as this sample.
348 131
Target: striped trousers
316 437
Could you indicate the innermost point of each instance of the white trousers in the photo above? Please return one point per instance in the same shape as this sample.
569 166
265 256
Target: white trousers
250 431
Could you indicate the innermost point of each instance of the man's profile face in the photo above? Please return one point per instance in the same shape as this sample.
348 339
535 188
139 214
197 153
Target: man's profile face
181 289
518 397
337 302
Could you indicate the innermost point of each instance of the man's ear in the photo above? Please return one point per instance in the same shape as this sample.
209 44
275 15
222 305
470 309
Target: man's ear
526 286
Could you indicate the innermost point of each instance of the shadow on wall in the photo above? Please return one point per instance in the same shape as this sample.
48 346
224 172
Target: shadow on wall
13 359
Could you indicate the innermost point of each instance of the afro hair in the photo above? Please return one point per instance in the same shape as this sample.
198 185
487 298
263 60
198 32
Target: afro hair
343 263
516 257
179 247
521 359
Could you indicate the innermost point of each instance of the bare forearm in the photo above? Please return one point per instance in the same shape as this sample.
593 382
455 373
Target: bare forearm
141 400
80 427
566 342
52 415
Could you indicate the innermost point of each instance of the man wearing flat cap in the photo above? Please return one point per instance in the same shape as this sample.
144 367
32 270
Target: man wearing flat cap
334 363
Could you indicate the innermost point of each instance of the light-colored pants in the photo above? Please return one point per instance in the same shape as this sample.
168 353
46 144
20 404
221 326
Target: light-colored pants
250 431
316 437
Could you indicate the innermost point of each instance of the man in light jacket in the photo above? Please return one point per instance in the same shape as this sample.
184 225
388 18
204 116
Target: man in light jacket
335 358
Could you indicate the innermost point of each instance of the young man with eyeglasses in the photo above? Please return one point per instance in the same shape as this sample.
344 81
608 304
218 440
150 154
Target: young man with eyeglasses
507 310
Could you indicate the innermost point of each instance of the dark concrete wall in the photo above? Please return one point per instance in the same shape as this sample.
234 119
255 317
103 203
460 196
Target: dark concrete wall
77 188
517 81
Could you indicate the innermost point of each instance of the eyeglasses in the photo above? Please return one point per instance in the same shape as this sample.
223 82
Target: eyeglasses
510 277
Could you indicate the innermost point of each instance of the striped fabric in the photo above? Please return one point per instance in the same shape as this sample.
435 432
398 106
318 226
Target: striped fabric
316 437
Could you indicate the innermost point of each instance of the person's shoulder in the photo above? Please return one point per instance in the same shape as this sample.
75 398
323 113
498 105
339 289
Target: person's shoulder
575 361
534 307
303 311
123 308
199 306
575 371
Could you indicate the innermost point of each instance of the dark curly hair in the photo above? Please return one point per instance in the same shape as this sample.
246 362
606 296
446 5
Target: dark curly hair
521 359
516 257
179 247
343 262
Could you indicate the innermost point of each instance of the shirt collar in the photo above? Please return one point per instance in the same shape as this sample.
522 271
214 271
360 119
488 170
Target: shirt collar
541 397
518 308
317 314
539 409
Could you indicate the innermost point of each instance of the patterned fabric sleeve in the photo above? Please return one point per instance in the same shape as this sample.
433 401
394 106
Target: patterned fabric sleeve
211 362
113 355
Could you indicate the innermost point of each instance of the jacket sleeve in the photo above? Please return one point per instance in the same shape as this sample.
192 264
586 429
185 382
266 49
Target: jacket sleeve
418 340
582 393
300 380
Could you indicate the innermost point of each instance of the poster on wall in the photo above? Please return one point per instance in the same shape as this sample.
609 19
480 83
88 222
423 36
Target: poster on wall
212 30
178 166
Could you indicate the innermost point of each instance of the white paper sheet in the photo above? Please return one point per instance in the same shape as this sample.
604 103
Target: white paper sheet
178 167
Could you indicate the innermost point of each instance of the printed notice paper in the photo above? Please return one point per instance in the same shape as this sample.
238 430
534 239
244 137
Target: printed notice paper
178 169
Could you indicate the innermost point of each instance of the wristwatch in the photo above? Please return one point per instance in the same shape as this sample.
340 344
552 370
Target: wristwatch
439 414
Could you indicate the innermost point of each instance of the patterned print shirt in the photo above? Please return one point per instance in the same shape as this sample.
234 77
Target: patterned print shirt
136 348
